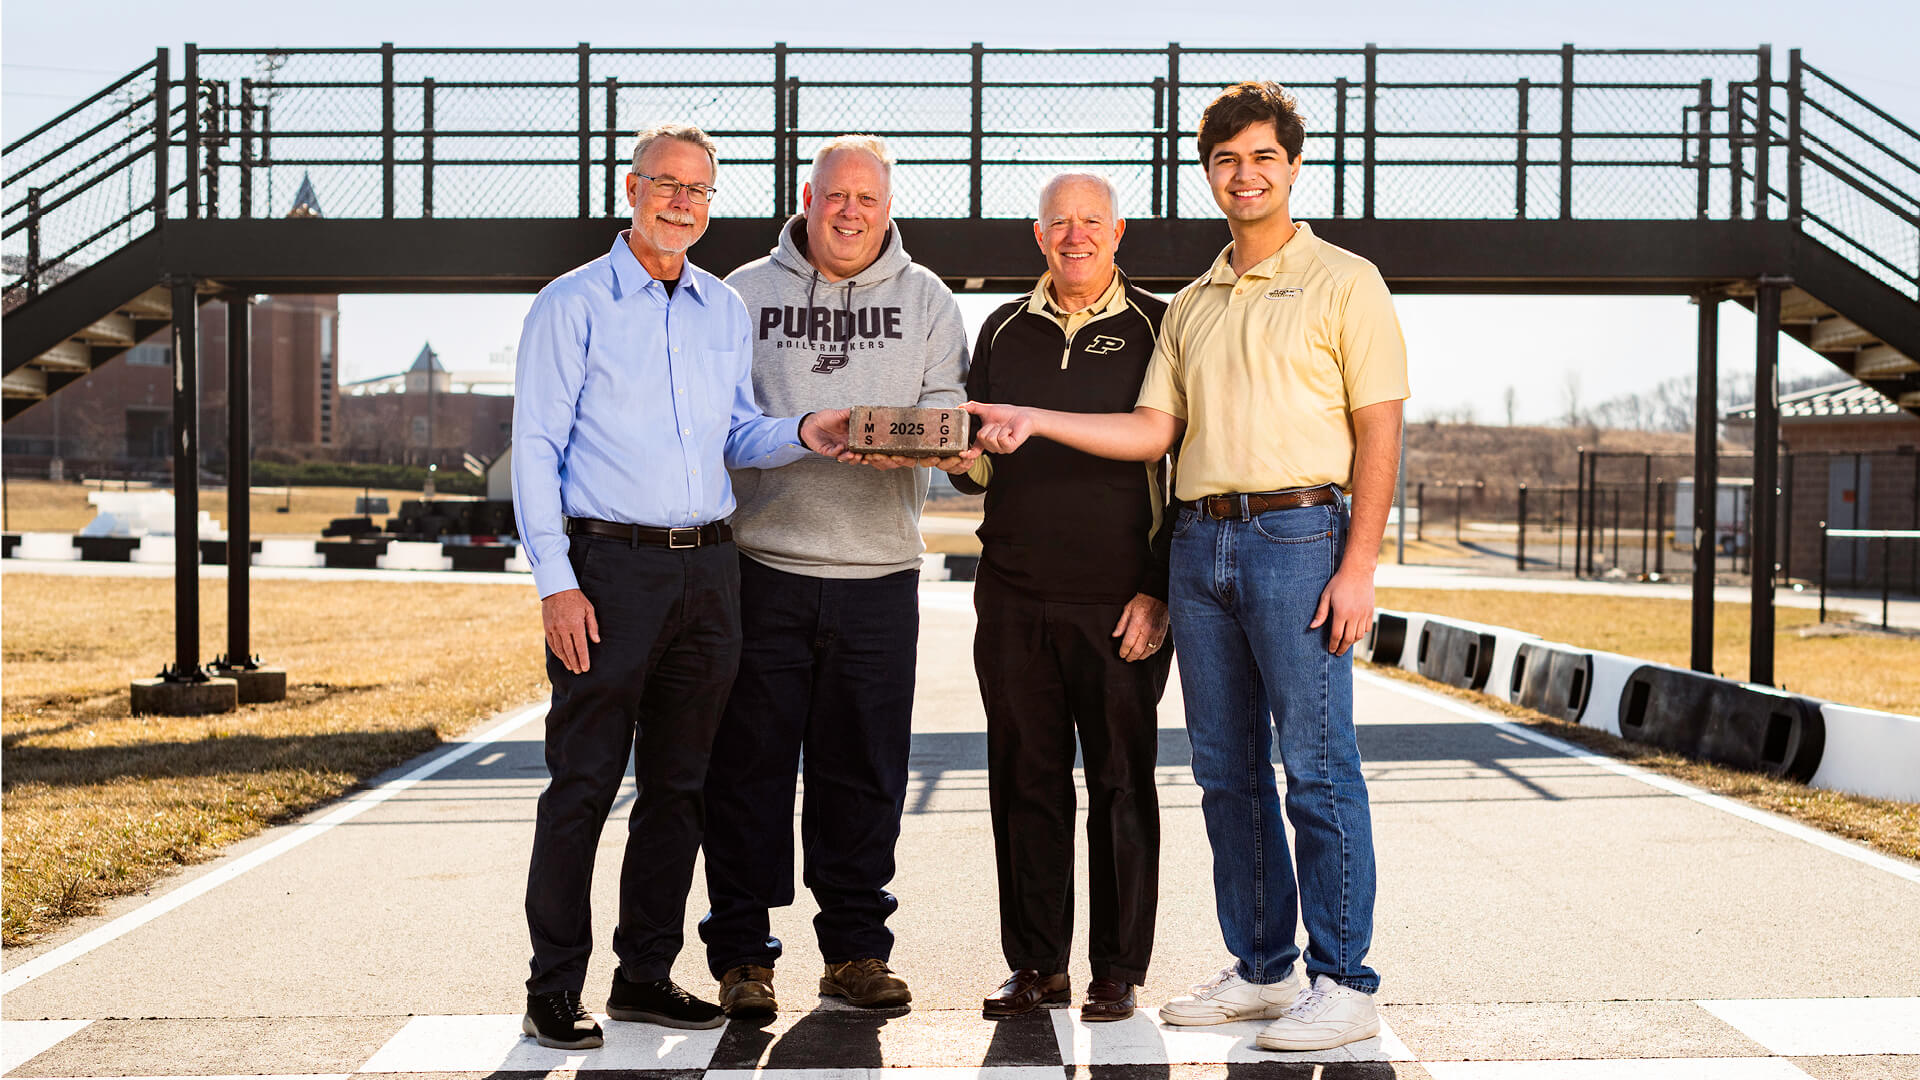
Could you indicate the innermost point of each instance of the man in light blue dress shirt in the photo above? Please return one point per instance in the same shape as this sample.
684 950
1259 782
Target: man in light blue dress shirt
633 397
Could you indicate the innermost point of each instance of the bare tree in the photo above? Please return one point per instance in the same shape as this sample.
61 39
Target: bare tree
1512 402
1570 395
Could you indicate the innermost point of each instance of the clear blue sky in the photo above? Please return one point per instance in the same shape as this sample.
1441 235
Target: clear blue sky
1465 350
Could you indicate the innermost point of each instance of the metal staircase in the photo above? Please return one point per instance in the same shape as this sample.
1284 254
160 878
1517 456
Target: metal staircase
1561 170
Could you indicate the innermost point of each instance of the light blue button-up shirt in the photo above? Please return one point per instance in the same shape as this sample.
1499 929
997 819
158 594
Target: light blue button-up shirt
630 406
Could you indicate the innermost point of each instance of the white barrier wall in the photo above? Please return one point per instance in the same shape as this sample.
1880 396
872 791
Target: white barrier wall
299 553
1866 752
414 555
52 547
1870 753
153 549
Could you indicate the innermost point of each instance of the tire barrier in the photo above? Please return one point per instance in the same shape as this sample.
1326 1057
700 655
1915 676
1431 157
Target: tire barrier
53 547
1551 679
1741 725
1457 655
352 554
1384 642
415 555
1735 724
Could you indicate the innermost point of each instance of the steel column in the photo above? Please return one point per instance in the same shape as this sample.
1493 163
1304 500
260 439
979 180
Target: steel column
1173 130
1706 477
239 479
190 87
977 139
387 133
1368 149
186 484
1764 512
1763 135
1794 92
1579 512
782 175
585 109
162 135
1520 548
1340 147
1566 132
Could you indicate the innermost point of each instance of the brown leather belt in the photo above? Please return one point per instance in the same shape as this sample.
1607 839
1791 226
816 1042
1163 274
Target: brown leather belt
1244 506
689 536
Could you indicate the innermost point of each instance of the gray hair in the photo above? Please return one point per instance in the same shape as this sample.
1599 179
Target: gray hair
1058 180
686 133
873 145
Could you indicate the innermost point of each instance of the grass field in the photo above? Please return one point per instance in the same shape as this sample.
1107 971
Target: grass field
43 506
99 803
1854 665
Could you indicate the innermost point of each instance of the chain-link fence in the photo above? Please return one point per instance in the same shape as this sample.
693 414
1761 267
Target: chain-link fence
548 133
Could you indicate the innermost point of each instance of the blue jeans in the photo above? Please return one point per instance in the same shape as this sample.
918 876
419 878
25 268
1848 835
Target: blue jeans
1242 596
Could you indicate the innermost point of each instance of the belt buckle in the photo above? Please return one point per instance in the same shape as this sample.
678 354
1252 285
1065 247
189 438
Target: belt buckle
693 537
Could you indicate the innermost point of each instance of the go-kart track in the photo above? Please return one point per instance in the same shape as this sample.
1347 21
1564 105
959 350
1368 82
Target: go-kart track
1543 913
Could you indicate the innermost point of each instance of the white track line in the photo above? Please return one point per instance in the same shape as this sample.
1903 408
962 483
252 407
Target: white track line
19 976
1821 840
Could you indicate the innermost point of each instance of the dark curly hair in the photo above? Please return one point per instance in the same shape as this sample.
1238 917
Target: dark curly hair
1245 104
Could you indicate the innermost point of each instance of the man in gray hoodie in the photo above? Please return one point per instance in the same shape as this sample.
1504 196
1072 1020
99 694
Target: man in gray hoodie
829 592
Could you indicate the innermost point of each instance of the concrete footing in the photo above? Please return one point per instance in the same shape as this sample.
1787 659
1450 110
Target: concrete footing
158 697
256 684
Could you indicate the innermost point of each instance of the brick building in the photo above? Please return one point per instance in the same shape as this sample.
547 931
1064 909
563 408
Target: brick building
427 414
1850 458
119 417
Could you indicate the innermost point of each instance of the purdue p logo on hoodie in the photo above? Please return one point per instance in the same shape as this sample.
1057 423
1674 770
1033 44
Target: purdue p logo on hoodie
890 335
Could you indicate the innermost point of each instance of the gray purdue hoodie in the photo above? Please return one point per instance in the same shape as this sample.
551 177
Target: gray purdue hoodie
890 335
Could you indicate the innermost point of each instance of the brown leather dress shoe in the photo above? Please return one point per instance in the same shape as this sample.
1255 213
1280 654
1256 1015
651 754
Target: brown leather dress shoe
1024 991
746 993
1107 999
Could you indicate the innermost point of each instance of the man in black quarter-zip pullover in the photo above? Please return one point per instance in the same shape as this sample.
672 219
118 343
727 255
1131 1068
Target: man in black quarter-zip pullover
1072 610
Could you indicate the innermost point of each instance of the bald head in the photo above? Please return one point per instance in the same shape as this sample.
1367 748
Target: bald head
1082 183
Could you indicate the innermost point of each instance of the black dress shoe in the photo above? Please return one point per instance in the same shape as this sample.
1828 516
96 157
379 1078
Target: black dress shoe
557 1019
660 1002
1107 999
1024 991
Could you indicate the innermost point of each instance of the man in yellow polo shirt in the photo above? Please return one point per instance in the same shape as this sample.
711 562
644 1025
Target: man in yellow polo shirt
1280 374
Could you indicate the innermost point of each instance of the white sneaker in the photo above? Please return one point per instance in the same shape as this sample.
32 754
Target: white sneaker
1326 1016
1227 997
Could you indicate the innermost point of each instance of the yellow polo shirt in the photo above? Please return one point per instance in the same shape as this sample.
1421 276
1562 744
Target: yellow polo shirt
1267 367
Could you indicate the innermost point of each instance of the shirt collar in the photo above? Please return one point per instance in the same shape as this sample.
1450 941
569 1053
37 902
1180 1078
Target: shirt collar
632 278
1289 258
1041 303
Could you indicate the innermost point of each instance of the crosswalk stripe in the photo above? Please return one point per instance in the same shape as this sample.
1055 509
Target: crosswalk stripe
1812 1027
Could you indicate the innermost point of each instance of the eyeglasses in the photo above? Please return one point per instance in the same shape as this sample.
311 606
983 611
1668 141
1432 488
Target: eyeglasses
668 189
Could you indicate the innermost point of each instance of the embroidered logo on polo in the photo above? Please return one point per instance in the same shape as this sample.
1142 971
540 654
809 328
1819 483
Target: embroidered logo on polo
830 363
1283 292
1102 344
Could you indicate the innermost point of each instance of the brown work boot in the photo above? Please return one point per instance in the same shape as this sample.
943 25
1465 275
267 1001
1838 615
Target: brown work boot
867 982
746 993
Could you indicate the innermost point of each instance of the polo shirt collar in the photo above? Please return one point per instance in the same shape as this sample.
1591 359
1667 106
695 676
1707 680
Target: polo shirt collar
1288 258
633 279
1041 302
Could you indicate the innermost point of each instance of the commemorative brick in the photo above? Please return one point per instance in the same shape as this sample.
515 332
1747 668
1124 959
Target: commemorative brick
908 432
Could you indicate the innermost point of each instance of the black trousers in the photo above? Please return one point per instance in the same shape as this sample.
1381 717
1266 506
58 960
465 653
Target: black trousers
653 693
1047 669
827 668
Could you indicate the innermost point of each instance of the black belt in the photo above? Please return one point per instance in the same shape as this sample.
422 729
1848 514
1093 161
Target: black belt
689 536
1247 505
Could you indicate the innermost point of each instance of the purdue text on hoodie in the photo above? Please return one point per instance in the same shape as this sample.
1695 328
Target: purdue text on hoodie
889 335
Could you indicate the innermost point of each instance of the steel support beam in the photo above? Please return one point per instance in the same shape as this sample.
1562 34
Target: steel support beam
186 484
1706 477
239 480
1764 513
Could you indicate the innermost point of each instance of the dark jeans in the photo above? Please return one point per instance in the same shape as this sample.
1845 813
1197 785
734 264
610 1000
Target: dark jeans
653 693
1045 669
827 666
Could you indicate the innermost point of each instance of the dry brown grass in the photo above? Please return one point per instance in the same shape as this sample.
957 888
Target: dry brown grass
1882 824
44 506
1851 664
99 803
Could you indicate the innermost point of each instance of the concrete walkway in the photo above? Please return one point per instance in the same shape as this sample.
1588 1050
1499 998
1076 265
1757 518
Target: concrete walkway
1543 913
